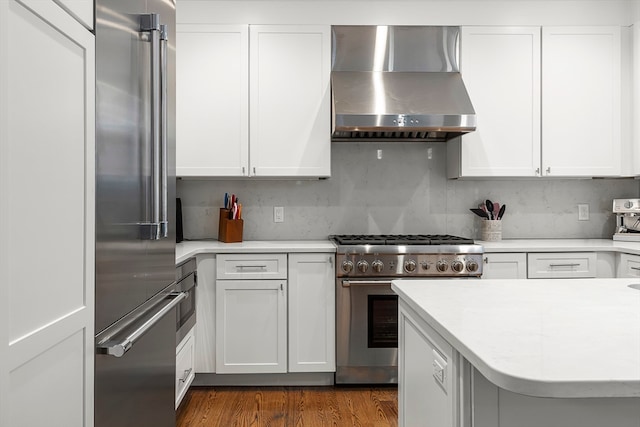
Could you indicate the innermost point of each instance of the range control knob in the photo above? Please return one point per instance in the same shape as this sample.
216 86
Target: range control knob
472 266
410 266
347 266
442 266
457 266
377 266
628 204
363 266
425 265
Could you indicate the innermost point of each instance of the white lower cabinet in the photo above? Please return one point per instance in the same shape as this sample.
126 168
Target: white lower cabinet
312 303
427 375
628 265
274 313
505 266
251 326
185 365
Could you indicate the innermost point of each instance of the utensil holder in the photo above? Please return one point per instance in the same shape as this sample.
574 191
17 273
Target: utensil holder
229 230
491 230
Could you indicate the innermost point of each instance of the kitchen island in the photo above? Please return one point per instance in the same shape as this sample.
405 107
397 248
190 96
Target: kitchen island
519 353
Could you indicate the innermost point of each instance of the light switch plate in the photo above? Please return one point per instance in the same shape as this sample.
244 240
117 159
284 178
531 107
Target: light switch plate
278 214
583 212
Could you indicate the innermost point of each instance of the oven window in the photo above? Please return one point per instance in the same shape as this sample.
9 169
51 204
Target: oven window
383 321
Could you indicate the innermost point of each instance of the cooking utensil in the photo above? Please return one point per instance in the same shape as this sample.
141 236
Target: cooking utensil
496 209
489 206
480 213
501 212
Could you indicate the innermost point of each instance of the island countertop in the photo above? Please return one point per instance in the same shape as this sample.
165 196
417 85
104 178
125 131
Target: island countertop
544 337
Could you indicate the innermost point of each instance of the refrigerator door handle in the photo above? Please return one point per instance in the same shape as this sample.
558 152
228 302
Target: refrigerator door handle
164 214
118 348
153 229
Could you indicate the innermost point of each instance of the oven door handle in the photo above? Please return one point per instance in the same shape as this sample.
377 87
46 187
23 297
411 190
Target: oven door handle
348 283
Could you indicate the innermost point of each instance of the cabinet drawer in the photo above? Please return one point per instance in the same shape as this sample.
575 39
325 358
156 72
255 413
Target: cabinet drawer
629 266
561 265
251 266
185 361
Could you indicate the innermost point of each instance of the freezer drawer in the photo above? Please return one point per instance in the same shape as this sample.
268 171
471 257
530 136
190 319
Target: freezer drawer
135 367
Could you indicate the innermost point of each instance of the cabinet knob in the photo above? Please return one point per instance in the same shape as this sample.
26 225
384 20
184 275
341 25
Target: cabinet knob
537 171
548 169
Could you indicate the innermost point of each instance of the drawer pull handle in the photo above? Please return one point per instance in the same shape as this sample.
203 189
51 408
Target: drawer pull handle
186 375
635 268
564 265
242 267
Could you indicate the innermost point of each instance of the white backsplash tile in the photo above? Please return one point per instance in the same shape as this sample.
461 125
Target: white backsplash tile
403 192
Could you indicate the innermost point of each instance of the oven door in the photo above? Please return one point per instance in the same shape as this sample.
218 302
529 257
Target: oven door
367 332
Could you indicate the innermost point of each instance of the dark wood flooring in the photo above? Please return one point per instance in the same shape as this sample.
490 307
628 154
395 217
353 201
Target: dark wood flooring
289 406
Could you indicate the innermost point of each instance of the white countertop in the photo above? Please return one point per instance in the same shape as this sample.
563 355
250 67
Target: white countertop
547 338
560 245
187 249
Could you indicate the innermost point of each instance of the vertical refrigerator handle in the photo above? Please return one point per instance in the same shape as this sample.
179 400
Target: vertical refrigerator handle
157 227
164 179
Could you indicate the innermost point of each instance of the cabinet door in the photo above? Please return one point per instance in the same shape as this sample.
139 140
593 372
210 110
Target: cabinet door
581 101
501 70
185 364
47 170
205 331
628 266
312 313
505 266
290 100
427 377
251 326
212 100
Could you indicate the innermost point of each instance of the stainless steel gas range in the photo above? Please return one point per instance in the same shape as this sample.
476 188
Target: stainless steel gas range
367 308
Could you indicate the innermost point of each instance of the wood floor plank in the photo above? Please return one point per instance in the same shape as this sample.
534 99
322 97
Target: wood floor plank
289 407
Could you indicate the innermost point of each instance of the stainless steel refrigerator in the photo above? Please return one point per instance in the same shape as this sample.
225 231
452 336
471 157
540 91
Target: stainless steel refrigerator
135 213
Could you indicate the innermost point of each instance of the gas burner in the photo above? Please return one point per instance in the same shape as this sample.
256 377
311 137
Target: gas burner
399 239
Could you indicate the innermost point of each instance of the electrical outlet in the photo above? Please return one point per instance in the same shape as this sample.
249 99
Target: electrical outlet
583 212
278 214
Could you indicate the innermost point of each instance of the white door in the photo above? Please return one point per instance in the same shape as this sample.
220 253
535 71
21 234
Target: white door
501 70
47 144
581 107
290 100
212 71
312 312
251 326
505 266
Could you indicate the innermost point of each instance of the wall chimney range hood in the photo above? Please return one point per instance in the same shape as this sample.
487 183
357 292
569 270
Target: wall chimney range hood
398 83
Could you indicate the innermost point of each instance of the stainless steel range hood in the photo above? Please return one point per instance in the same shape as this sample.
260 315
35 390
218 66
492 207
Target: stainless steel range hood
398 83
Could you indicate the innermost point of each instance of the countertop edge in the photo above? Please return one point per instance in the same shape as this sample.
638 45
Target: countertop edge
520 385
189 249
560 245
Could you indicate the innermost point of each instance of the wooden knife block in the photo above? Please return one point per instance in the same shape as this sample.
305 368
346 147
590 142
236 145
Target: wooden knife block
229 230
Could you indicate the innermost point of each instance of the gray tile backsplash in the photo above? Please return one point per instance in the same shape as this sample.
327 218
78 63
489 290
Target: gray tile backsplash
405 191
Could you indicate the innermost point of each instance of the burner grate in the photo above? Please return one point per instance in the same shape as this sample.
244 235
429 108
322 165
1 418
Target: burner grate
399 239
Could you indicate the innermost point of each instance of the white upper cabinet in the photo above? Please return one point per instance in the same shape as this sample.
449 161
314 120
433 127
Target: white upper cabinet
501 70
548 102
212 100
290 100
581 88
281 72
